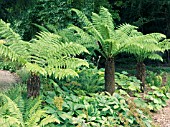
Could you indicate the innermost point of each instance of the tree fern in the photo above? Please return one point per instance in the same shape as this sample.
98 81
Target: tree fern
111 40
43 53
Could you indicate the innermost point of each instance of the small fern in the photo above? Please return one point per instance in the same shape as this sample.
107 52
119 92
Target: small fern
31 116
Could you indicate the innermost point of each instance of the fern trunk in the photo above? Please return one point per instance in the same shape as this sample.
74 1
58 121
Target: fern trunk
141 74
33 86
110 75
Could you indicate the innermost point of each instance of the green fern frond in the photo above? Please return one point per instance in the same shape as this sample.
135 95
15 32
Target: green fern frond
14 111
49 119
83 37
67 62
35 118
61 73
155 57
42 28
106 18
9 121
48 37
157 36
35 68
88 25
6 52
7 33
82 17
126 28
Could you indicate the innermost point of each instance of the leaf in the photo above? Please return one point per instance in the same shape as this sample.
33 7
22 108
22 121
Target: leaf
116 106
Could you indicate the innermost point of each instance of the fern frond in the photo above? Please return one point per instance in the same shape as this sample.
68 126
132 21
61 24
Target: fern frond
126 28
67 62
82 17
35 68
49 119
61 73
11 106
84 38
6 52
106 18
9 121
42 28
35 118
88 25
7 33
155 56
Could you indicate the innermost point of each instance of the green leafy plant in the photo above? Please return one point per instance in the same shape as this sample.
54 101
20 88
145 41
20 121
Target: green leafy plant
22 112
90 80
129 84
95 110
156 98
46 55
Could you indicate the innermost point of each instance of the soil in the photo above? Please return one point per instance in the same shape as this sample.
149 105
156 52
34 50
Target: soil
7 79
162 117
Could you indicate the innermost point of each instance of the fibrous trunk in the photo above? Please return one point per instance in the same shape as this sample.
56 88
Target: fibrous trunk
141 74
110 75
33 86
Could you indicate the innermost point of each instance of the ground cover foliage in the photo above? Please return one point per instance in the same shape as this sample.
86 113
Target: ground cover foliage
74 91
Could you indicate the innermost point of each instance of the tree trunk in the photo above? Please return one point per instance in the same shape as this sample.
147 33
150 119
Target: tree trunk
110 75
33 86
141 74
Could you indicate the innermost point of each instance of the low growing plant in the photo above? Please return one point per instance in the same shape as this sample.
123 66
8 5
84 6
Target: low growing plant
96 110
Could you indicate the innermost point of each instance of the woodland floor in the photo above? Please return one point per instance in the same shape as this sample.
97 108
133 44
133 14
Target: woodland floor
162 117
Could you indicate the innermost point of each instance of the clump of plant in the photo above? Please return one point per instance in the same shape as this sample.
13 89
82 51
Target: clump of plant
20 111
98 109
156 79
156 98
90 80
127 84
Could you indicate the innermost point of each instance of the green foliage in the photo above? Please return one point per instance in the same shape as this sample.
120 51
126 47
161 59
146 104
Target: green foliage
111 41
52 57
127 84
90 80
156 98
149 46
22 112
46 55
96 110
23 74
154 79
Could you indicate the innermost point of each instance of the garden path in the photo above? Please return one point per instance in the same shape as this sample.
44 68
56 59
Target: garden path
6 79
162 117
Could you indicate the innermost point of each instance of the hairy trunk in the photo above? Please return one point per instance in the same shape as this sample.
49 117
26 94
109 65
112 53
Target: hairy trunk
141 74
109 75
33 86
